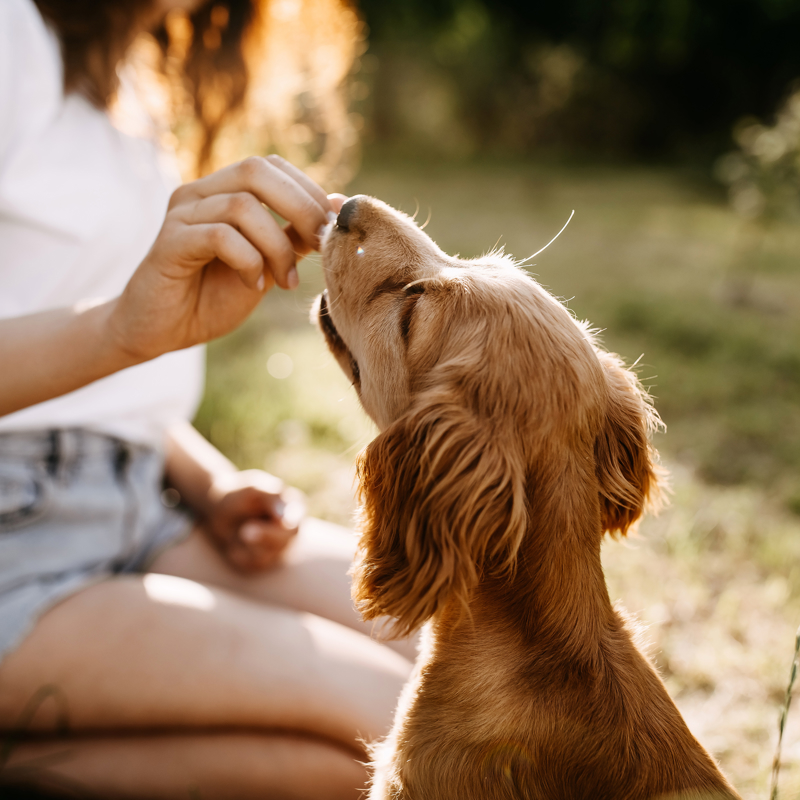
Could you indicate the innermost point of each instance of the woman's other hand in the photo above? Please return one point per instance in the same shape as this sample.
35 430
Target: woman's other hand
218 252
252 517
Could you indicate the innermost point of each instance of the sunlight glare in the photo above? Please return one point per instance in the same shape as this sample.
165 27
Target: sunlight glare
174 591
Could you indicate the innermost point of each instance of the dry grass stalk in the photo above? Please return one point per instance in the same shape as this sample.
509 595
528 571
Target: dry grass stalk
787 701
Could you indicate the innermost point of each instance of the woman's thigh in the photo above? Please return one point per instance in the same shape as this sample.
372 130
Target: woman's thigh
312 577
157 651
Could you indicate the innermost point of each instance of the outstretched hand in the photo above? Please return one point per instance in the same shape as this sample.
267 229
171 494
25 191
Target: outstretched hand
218 252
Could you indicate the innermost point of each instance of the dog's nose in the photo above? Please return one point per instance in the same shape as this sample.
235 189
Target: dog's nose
346 213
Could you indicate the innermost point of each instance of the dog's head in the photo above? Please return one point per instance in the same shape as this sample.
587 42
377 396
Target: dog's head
494 405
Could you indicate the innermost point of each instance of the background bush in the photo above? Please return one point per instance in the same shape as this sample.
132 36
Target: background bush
654 78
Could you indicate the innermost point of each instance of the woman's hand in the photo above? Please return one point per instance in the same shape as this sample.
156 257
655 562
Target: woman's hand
252 517
218 252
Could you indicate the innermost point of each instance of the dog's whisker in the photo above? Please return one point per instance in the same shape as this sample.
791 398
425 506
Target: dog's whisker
425 224
331 303
496 251
418 281
551 241
356 446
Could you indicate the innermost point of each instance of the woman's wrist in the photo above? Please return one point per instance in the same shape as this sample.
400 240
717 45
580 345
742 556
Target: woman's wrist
130 335
196 469
115 353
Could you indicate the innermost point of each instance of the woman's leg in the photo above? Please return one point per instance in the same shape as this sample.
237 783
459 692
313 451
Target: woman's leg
313 576
214 766
163 653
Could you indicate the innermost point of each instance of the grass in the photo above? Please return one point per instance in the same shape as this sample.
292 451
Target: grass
784 715
656 260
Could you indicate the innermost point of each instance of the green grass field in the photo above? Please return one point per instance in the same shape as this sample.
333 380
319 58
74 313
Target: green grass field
657 261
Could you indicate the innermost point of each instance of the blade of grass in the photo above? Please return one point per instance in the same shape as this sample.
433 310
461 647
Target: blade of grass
787 700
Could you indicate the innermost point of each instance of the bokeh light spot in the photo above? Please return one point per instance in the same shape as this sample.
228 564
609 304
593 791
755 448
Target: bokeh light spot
280 366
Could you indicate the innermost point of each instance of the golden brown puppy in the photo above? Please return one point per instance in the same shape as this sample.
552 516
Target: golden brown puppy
509 444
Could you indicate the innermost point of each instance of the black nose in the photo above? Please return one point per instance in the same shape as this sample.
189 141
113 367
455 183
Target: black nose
346 214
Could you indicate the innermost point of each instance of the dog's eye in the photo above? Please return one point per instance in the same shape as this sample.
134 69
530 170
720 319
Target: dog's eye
413 293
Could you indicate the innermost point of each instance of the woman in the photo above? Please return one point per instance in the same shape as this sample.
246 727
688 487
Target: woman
219 656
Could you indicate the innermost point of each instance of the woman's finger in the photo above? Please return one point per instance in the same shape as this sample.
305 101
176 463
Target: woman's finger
245 213
337 200
205 242
263 534
314 189
272 186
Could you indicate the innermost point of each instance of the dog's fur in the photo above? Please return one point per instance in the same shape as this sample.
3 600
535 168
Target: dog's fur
510 442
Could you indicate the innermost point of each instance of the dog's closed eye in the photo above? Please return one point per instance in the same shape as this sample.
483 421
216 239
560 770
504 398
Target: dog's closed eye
413 293
356 373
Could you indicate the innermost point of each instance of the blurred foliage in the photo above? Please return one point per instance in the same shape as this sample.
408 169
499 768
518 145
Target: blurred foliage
763 174
763 180
630 77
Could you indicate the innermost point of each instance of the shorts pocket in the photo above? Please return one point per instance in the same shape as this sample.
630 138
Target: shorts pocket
24 493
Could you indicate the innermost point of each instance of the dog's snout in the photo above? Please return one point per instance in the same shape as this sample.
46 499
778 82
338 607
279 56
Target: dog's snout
346 213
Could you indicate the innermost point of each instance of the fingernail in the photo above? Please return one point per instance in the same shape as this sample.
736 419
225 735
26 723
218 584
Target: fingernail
279 508
293 516
293 279
261 282
250 533
332 216
321 231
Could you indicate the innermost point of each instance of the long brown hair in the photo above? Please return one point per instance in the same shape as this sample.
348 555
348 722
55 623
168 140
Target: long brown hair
218 69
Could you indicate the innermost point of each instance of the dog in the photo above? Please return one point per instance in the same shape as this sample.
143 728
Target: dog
509 443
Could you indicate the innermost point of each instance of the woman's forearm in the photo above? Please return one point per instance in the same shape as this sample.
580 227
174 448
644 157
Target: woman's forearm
192 464
51 353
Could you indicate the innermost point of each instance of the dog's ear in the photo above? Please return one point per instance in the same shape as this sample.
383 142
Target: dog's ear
626 463
442 501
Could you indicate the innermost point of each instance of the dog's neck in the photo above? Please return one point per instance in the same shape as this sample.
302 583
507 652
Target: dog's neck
554 608
557 594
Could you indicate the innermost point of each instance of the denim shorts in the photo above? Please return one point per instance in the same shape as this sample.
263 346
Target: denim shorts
76 507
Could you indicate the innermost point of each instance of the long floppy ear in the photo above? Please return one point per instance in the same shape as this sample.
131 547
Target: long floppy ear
442 501
625 461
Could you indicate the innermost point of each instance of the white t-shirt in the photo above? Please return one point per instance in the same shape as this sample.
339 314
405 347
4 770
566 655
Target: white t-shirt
80 205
